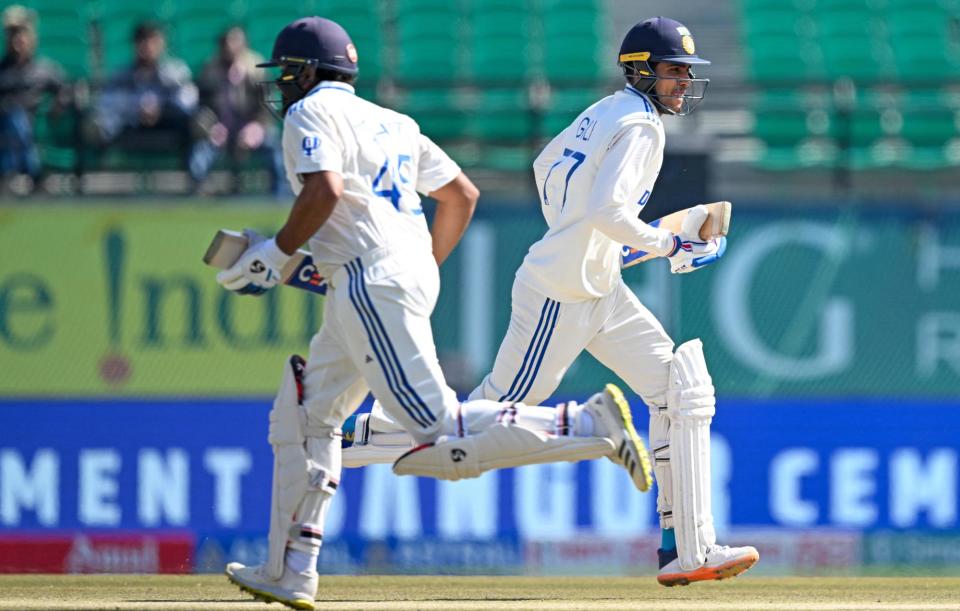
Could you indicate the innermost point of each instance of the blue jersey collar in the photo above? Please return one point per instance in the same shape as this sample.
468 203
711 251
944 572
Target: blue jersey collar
630 89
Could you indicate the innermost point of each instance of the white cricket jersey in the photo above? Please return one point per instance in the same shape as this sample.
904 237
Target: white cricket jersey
593 180
384 160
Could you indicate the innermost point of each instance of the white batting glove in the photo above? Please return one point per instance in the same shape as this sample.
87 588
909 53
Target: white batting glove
256 271
694 255
690 253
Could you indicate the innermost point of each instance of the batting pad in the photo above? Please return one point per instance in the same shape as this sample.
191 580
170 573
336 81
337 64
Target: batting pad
290 470
660 448
379 448
498 447
690 406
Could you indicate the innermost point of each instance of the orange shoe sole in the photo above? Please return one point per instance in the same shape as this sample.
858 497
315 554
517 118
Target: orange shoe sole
714 573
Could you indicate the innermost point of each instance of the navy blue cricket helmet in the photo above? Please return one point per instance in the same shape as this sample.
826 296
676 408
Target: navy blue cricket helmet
661 39
310 41
317 41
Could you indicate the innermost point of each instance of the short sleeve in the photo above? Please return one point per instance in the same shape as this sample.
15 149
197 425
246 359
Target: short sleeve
312 142
436 169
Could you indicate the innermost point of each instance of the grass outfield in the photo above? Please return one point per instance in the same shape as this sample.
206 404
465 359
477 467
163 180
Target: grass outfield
208 592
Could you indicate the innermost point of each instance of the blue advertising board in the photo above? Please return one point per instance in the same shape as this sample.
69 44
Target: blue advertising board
205 465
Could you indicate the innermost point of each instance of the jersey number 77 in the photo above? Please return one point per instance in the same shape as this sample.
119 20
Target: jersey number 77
575 159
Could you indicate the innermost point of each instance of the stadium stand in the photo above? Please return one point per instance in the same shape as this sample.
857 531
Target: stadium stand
818 84
879 47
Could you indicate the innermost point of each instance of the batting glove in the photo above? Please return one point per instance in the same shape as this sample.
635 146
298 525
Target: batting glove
690 253
257 270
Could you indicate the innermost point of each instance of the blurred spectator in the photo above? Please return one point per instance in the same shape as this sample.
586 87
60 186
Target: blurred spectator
154 94
231 115
25 81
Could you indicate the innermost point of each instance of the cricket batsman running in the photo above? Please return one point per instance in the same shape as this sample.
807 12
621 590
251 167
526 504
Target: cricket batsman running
357 169
568 296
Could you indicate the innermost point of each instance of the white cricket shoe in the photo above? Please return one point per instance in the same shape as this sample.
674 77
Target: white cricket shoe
611 416
722 562
295 590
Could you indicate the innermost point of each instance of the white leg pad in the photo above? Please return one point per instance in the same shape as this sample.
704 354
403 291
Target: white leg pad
299 476
379 439
290 478
370 446
660 449
500 446
323 472
690 406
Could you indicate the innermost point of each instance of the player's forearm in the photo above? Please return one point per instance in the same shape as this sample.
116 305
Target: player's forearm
310 211
304 221
456 202
449 224
612 212
620 226
621 179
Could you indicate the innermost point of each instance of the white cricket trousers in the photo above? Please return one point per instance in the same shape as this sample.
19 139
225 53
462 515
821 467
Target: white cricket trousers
376 337
545 336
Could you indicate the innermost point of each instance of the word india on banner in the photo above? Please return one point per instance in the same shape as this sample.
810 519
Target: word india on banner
140 314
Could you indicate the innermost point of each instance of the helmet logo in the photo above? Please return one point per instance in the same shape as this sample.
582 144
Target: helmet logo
352 53
686 39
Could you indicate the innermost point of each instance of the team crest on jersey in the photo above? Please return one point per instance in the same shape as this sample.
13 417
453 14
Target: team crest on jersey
310 144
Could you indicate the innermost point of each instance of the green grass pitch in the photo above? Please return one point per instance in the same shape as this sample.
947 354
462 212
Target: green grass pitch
209 592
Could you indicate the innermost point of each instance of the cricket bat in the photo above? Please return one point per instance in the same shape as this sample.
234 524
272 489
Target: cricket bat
716 225
299 272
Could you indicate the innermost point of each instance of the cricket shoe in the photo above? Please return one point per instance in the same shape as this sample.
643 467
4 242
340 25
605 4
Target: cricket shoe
295 590
611 416
722 562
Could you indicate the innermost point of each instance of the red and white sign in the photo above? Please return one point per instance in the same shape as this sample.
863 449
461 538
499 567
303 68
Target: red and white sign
124 552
